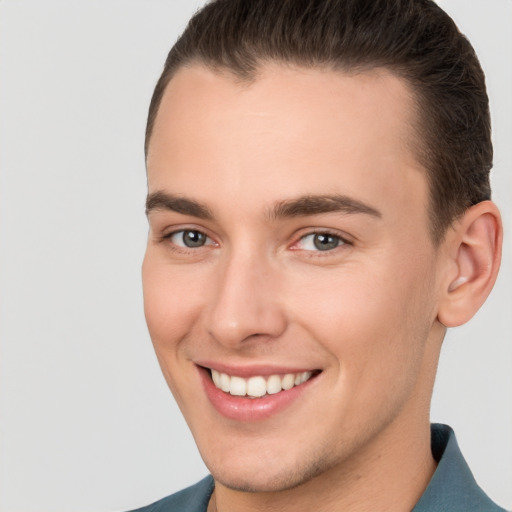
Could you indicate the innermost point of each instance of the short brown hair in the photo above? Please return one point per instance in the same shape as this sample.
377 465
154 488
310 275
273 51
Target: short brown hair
414 39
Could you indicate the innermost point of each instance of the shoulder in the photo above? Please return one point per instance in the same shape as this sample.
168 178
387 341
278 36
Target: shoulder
453 486
191 499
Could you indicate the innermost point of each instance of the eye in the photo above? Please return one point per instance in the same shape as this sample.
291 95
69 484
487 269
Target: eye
189 238
320 242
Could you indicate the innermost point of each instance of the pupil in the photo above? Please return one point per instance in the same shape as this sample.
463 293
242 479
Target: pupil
325 242
193 238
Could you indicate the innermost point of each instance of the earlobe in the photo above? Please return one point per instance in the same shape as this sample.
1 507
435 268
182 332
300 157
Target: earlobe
475 253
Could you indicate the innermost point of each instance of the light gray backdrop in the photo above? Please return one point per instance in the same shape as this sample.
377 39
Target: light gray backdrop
86 421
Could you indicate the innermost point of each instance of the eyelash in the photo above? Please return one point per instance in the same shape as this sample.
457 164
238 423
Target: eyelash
178 247
341 241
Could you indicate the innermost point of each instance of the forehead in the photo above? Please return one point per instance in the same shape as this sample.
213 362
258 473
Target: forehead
197 96
287 132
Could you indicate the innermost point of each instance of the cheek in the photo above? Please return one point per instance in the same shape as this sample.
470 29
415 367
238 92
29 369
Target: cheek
373 321
171 303
172 298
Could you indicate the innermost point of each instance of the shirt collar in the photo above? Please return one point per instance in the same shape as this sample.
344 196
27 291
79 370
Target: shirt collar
452 486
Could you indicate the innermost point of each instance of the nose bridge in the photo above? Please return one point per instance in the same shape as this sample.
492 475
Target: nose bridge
246 304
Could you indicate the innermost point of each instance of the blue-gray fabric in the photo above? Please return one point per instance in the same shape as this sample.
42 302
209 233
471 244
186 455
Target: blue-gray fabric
451 489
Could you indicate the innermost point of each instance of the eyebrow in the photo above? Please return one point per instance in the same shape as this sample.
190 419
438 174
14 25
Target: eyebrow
163 201
303 206
316 204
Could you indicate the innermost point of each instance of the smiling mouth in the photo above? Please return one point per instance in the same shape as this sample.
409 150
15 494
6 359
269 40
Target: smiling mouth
259 386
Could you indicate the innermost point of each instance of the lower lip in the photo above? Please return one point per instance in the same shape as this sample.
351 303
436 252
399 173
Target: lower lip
250 409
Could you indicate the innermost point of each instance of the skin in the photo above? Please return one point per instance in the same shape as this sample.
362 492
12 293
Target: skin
365 313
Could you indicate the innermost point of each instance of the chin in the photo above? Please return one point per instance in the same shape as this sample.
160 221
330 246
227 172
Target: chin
267 476
263 483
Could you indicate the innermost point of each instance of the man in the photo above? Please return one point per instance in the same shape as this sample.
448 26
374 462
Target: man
320 214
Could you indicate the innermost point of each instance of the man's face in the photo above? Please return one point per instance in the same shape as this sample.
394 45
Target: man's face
289 236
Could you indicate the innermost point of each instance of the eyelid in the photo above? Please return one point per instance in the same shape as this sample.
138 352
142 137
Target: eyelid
345 240
343 237
167 237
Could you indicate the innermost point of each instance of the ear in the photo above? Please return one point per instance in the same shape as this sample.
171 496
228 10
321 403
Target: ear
473 249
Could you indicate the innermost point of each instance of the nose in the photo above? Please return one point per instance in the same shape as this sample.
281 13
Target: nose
247 304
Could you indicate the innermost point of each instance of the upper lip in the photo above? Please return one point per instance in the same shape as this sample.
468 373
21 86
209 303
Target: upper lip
253 370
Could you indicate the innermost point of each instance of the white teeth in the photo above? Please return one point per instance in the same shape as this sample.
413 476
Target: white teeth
216 378
302 377
258 386
305 376
273 384
225 382
237 387
288 381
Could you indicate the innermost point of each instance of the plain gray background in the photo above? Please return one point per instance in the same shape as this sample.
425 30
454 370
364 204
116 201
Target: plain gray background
86 420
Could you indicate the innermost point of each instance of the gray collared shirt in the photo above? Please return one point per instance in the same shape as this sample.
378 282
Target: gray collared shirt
451 489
